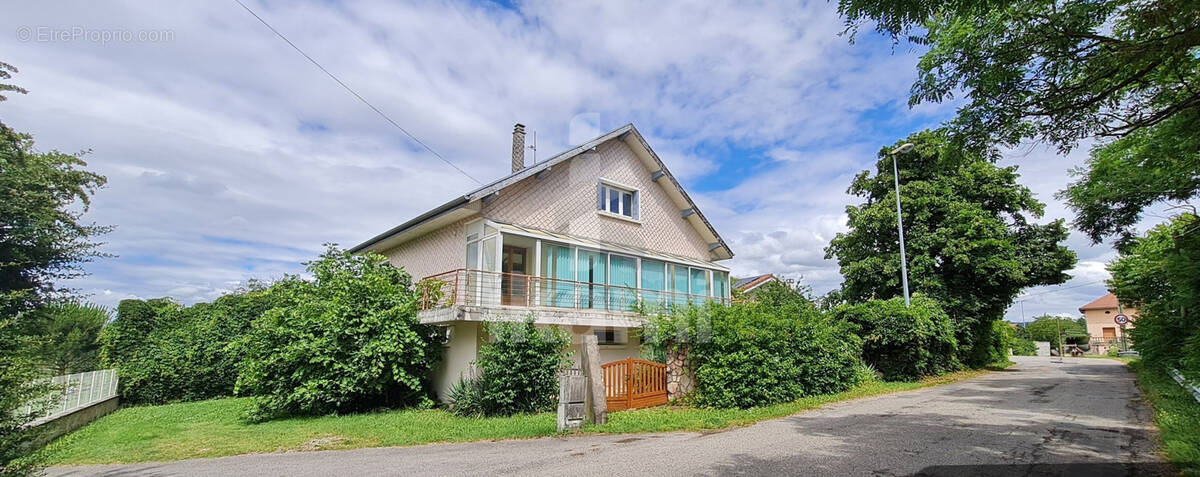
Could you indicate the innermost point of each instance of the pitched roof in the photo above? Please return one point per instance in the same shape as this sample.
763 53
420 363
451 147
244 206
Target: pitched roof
747 284
627 134
1104 302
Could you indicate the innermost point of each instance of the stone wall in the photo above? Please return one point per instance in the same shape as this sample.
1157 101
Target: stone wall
681 376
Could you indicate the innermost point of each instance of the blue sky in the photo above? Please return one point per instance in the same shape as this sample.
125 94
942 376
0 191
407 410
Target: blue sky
231 158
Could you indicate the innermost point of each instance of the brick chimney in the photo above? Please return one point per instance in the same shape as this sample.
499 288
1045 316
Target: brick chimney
518 156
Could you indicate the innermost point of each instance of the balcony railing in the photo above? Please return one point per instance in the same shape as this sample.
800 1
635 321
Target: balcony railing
478 287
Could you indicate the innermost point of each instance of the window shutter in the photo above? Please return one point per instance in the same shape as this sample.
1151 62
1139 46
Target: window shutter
637 209
599 195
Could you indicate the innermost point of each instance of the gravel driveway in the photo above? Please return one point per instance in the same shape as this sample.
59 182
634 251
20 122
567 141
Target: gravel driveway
1080 417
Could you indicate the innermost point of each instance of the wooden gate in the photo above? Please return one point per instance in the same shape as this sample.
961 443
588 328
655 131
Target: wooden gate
634 383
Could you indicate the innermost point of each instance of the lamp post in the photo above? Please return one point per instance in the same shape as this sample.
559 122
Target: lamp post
904 148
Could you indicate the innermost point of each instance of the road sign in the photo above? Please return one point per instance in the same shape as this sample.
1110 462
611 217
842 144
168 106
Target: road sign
1121 319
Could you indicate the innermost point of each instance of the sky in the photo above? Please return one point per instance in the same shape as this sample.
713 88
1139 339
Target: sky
231 157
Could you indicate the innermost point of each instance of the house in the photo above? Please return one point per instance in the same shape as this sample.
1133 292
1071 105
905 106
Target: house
581 240
746 286
1101 325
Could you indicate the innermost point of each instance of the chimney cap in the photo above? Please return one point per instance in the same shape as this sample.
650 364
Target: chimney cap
519 126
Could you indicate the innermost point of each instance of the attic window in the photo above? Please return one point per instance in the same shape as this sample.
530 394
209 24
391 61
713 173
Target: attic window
616 199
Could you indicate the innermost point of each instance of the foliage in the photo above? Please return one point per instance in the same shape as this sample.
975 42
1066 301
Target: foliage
1176 414
1160 275
19 385
1046 328
904 343
347 341
1127 175
42 238
1060 72
68 334
135 321
970 240
192 353
518 370
466 398
43 197
759 353
6 71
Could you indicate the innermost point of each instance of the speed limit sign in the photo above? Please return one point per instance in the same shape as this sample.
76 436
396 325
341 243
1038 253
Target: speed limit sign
1121 319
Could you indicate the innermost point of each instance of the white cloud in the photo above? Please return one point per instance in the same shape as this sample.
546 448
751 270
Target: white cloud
230 157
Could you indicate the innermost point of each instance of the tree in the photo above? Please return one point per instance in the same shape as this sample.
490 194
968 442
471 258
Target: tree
970 241
136 320
42 237
1047 328
19 385
6 71
42 199
1124 73
68 336
349 340
1159 273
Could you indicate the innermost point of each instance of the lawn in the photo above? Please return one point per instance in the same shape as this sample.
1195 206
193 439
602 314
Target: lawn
1176 413
213 428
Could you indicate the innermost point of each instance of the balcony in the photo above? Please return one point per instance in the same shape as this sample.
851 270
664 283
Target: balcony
484 295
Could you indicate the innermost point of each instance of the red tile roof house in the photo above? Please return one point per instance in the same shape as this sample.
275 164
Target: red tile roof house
747 285
576 240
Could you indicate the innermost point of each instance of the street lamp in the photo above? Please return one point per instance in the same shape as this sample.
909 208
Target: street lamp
904 148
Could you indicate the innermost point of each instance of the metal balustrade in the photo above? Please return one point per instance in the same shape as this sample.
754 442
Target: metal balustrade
71 393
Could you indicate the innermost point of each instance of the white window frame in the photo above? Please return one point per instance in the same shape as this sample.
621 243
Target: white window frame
606 187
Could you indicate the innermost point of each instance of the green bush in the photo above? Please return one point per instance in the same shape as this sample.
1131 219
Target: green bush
756 354
191 354
135 321
66 335
347 341
1024 347
1160 275
518 369
1047 328
903 343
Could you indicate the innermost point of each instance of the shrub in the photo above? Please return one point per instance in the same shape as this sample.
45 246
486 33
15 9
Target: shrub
191 354
1159 274
904 343
1046 328
347 341
466 398
518 369
67 336
1024 347
757 354
135 320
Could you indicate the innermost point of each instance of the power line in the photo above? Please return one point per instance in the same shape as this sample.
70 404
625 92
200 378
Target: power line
355 93
1026 297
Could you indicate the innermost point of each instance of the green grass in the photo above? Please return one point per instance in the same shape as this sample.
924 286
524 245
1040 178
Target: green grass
214 428
1176 413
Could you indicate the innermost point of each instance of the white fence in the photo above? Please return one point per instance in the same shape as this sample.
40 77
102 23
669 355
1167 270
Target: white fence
72 393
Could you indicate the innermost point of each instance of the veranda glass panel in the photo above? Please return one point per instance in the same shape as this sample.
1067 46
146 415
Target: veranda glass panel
699 285
654 282
558 270
679 284
623 278
591 273
489 283
721 285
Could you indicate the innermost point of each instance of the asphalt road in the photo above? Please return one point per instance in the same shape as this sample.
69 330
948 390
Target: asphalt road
1080 417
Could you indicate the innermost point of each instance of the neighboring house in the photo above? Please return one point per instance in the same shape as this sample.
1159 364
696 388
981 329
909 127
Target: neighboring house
578 240
1105 332
746 286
